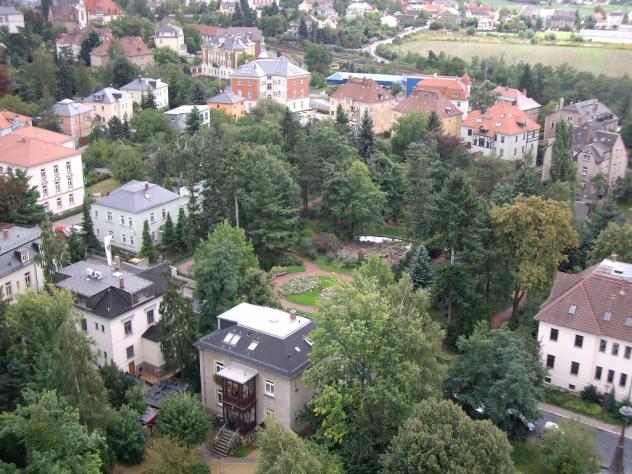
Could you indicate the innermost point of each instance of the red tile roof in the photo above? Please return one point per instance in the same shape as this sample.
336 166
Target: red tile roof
131 45
501 118
594 293
427 101
25 152
42 134
451 88
8 119
366 91
103 7
64 13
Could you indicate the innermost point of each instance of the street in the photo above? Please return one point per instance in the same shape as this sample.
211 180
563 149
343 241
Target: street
606 442
373 46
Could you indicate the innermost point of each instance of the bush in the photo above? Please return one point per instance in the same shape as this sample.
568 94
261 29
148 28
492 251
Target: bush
306 247
470 31
127 437
184 418
277 270
551 37
325 242
529 34
590 394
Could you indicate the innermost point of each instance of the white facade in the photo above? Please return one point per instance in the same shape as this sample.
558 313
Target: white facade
11 19
507 147
172 37
600 360
18 271
143 86
178 116
358 9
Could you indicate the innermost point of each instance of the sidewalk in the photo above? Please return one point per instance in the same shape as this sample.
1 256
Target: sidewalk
600 425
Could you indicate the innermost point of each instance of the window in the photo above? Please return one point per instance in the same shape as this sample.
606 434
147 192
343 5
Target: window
269 388
584 171
571 386
131 240
164 214
130 352
469 132
598 371
27 281
109 214
102 328
150 316
610 376
69 183
547 379
8 289
628 322
574 368
269 412
130 222
553 335
550 361
628 352
218 366
615 349
153 235
71 198
127 325
579 340
122 219
56 169
151 218
124 238
572 309
602 345
96 214
59 203
44 190
57 187
607 316
43 173
105 355
623 379
219 395
24 256
84 324
67 165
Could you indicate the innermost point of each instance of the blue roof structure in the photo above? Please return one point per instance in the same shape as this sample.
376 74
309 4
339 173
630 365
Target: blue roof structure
385 80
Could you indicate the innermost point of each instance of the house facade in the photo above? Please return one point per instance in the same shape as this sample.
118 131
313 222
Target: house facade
358 9
251 367
102 12
120 309
11 19
142 86
72 16
361 95
221 55
50 160
229 103
178 116
253 34
108 103
75 119
275 79
455 89
170 36
428 101
585 329
69 44
580 113
501 129
133 47
123 212
18 271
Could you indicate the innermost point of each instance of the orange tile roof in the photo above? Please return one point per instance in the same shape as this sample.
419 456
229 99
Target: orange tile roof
26 152
501 118
44 135
366 91
451 88
7 119
427 101
131 45
103 7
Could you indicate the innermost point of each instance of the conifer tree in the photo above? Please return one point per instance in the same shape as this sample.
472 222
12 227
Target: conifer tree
434 123
418 191
89 239
18 200
366 138
193 121
169 238
563 166
180 234
76 248
421 271
147 247
342 121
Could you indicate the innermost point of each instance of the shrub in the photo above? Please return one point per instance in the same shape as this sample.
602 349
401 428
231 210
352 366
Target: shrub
276 271
590 394
301 284
470 31
326 242
184 418
306 247
326 294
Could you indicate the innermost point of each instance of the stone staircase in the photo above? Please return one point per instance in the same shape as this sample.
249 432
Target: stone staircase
225 441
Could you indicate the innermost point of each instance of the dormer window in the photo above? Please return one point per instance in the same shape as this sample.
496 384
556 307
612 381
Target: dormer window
572 309
607 316
24 256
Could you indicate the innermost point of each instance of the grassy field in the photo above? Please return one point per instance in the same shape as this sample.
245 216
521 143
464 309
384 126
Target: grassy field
595 59
584 10
104 187
334 267
526 459
310 298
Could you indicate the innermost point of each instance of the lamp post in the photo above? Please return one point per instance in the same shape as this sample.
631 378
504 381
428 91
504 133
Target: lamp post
616 465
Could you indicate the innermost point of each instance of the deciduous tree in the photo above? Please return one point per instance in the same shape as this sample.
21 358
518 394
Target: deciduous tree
184 418
614 239
409 128
53 251
571 449
563 167
127 437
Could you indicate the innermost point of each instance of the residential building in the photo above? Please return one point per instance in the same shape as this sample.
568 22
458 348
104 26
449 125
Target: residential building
486 23
10 122
588 111
519 99
221 55
75 119
361 95
120 309
178 116
615 19
455 89
50 160
142 86
228 6
252 365
72 16
103 11
69 44
259 4
170 36
133 48
585 329
11 19
254 34
388 20
501 129
358 9
229 103
561 20
109 102
478 10
123 213
449 17
330 21
276 79
18 271
428 101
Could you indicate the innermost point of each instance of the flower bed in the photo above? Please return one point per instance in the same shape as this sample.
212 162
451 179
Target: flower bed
301 284
326 294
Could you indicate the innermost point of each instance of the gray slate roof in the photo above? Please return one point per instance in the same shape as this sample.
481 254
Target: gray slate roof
226 97
167 29
592 109
133 197
599 141
270 67
271 353
230 43
143 84
152 333
70 108
107 95
20 238
9 11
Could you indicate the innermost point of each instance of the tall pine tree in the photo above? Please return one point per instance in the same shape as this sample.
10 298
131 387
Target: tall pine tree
180 233
147 248
366 138
169 238
418 191
193 121
563 166
89 239
421 271
434 123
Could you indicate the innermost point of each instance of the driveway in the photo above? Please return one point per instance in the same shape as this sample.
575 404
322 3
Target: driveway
70 220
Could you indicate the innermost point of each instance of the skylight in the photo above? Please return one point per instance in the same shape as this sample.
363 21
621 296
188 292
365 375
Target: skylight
297 349
228 337
253 345
232 338
572 309
607 316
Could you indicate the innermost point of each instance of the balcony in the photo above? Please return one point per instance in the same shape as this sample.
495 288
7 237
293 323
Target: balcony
238 386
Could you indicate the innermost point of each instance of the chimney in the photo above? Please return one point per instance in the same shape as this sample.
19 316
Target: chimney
121 283
5 233
292 315
146 185
483 109
524 91
614 257
117 263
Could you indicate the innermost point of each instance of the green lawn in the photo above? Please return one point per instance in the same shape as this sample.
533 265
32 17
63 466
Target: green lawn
584 10
586 57
310 298
244 451
104 187
295 268
392 231
526 459
334 267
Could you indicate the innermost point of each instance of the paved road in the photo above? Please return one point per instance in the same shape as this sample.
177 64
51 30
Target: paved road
606 442
373 46
71 220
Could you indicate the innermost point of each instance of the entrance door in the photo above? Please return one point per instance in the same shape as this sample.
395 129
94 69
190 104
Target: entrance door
232 417
131 368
